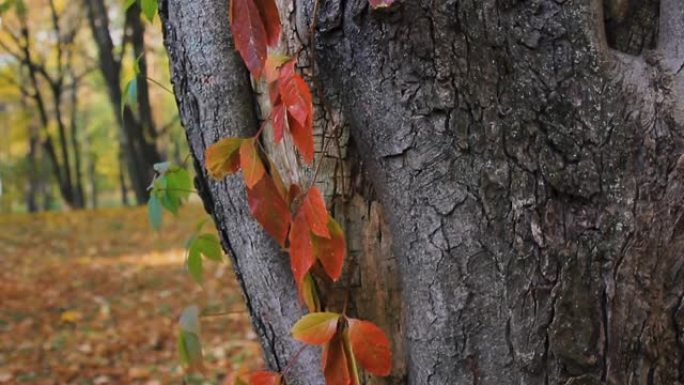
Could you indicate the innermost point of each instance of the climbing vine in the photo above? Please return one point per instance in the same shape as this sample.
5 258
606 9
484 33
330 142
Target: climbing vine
292 213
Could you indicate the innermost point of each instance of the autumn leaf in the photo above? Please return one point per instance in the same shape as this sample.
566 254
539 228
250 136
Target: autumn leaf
269 209
370 346
316 328
292 92
301 249
265 378
277 179
296 97
252 167
313 209
302 136
249 34
270 19
278 115
223 158
308 294
331 251
335 363
272 66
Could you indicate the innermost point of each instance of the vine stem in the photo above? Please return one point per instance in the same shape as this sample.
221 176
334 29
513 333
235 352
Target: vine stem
319 91
294 359
160 85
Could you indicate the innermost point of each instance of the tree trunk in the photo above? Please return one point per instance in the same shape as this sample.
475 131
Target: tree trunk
141 154
530 174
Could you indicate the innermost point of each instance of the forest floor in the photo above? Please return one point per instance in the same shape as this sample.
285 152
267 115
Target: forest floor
93 297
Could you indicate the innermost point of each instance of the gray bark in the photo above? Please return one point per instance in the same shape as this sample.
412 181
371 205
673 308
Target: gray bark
531 177
213 92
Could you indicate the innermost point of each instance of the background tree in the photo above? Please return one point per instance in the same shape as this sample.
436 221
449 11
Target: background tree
528 165
137 131
50 82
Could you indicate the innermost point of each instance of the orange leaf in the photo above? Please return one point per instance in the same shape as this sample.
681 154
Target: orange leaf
271 20
252 167
270 209
222 158
264 378
302 135
301 249
313 208
316 328
335 364
331 251
278 120
296 97
249 34
370 347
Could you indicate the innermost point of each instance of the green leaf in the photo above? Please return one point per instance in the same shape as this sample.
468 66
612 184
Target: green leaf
209 246
189 320
194 265
179 184
149 8
189 346
128 4
129 96
136 64
154 212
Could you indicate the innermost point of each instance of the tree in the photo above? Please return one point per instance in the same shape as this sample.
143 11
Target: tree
526 157
50 78
137 131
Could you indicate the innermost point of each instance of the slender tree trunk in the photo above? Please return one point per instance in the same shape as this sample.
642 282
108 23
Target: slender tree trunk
76 147
529 169
122 178
140 152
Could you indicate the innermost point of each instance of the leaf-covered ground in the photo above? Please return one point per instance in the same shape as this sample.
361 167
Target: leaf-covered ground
93 297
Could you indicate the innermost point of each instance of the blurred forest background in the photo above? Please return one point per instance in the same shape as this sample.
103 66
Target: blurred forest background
89 293
85 105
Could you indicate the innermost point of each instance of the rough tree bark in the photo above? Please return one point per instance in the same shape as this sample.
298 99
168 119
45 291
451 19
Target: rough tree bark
530 169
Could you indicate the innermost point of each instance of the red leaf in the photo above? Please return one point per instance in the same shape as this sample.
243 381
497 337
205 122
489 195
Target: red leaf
252 167
222 158
278 119
313 208
370 347
331 251
302 135
270 209
264 378
277 180
296 97
249 34
301 249
316 328
335 364
380 3
271 20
